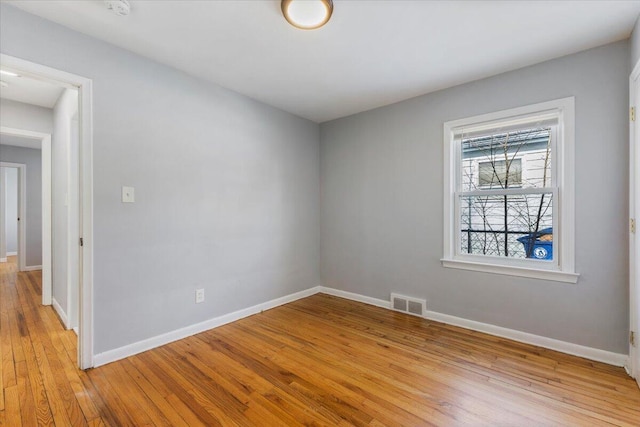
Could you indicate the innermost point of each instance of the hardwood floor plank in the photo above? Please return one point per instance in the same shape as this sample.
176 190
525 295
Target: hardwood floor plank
26 398
97 422
96 399
180 386
64 408
185 412
216 400
113 399
142 409
321 361
2 386
12 408
14 328
170 414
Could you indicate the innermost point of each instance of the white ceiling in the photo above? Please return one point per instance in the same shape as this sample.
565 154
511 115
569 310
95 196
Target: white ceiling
30 91
371 53
19 141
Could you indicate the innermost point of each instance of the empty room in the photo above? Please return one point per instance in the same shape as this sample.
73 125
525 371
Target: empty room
317 212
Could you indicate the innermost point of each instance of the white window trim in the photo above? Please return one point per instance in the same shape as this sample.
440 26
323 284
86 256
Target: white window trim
562 269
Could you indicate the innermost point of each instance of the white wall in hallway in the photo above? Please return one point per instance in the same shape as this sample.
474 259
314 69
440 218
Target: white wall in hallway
64 111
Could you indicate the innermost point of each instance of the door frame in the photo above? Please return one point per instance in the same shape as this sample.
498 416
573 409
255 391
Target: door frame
634 235
85 183
45 145
22 209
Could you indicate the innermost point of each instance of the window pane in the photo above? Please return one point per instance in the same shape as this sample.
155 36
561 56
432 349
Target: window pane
497 175
513 159
514 226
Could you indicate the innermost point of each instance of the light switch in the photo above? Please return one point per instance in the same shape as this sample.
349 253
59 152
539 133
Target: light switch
128 195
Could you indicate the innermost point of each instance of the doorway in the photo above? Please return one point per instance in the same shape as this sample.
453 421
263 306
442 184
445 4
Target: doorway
42 143
11 210
11 215
78 176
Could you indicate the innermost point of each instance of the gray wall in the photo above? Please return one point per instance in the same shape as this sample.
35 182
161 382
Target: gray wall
227 188
635 43
17 115
11 208
382 198
33 225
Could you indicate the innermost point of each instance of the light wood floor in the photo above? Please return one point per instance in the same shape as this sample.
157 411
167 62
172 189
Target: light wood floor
319 361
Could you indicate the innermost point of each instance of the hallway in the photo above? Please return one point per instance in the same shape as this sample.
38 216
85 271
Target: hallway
39 381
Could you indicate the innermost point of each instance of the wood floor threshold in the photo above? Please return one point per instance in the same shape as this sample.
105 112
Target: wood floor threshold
321 361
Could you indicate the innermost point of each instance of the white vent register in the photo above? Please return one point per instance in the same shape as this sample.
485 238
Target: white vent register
409 305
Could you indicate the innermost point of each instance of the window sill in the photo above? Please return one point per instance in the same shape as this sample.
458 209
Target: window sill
557 276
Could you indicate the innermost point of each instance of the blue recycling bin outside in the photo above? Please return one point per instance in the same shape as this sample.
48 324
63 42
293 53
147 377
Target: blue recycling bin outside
542 249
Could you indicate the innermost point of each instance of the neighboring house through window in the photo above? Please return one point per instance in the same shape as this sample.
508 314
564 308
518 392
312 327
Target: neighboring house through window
509 192
500 172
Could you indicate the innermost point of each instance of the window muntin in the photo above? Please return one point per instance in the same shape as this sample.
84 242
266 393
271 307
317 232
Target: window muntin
546 182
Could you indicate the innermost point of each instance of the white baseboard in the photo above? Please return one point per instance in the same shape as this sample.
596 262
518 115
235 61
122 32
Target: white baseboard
590 353
3 259
355 297
12 253
61 313
150 343
527 338
32 268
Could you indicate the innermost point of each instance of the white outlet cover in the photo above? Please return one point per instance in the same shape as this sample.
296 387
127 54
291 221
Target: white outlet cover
199 296
128 195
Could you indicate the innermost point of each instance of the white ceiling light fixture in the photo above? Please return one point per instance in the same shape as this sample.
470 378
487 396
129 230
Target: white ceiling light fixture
119 7
9 73
307 14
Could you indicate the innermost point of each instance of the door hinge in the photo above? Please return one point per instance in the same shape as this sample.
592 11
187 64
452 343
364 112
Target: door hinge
81 241
632 114
632 225
632 338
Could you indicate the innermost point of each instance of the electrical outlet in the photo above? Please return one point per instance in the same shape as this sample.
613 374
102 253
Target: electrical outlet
199 296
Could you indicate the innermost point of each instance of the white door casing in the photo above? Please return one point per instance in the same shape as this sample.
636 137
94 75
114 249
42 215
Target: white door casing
85 184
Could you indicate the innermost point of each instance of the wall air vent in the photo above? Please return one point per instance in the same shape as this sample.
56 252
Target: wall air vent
409 305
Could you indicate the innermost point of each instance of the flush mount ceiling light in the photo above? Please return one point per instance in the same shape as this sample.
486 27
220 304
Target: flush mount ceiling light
307 14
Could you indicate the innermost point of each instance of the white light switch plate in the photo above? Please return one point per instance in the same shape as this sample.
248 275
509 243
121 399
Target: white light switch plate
128 195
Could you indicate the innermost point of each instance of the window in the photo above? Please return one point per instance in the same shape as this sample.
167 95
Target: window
509 192
499 172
